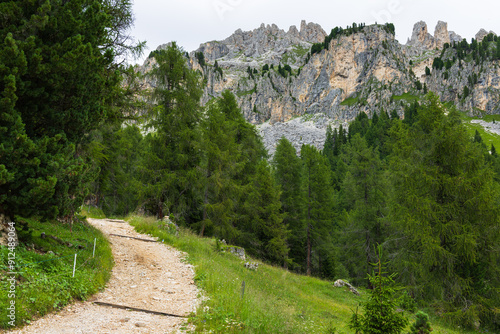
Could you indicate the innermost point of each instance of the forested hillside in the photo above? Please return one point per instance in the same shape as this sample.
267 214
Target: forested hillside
404 176
419 186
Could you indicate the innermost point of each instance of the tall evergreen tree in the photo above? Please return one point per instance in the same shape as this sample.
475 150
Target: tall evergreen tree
222 163
171 166
288 171
445 209
59 79
265 233
317 201
364 189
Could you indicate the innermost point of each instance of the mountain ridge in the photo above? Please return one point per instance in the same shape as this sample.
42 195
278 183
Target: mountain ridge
278 76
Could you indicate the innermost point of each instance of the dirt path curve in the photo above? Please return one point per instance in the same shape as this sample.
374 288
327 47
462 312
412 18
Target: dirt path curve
146 275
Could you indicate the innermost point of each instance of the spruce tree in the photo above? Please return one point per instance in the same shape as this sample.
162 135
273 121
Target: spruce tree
364 193
380 315
288 171
444 209
171 173
222 163
317 207
265 233
59 79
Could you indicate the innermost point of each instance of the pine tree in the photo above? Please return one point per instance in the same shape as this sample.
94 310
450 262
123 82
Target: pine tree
171 173
222 163
264 232
421 325
444 204
317 200
364 193
380 315
59 80
288 171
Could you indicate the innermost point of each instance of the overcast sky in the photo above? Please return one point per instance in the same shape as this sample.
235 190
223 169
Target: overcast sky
192 22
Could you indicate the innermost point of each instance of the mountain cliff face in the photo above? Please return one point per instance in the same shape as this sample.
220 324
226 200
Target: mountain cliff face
278 78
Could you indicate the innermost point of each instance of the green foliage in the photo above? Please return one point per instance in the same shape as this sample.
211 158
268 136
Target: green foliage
364 188
336 32
380 315
317 201
59 80
169 170
421 325
265 234
389 28
275 300
200 56
288 171
116 151
443 206
44 280
218 70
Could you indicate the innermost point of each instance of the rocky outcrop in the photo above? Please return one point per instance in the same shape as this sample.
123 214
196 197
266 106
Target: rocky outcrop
368 71
455 37
484 92
421 40
420 37
441 34
265 41
481 34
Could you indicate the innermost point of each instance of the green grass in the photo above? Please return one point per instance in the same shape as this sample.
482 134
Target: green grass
350 101
274 300
92 212
45 282
488 137
406 96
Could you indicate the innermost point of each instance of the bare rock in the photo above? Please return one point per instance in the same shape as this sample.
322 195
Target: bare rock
312 32
238 251
441 34
454 37
341 283
140 324
421 37
251 265
481 34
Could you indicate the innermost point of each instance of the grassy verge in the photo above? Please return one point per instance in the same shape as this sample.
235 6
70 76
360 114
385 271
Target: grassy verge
92 212
350 101
406 96
488 137
274 300
45 269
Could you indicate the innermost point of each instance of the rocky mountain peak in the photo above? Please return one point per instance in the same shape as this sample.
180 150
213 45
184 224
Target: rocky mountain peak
263 40
311 32
482 34
441 34
422 39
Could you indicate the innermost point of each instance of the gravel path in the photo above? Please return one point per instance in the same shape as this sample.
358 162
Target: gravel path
146 275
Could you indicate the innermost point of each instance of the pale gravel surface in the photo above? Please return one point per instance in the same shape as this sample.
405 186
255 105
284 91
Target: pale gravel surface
146 275
490 127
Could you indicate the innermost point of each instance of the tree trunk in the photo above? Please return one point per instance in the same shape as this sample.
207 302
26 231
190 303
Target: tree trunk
160 210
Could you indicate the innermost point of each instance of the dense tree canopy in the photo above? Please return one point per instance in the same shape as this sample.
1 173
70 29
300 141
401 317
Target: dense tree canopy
59 79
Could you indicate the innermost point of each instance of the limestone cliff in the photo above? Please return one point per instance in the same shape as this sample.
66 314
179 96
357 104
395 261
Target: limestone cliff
277 78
